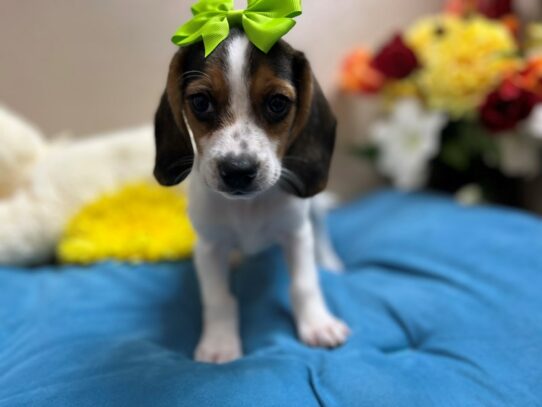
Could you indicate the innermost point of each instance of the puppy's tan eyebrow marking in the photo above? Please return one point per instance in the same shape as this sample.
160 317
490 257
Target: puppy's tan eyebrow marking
265 82
282 87
198 87
213 82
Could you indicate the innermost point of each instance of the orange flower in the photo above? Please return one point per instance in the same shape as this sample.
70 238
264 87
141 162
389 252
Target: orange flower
358 75
513 23
530 78
460 7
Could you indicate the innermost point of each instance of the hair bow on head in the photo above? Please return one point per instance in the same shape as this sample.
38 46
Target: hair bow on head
264 22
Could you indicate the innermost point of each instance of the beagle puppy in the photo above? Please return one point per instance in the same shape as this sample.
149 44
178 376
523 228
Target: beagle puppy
256 134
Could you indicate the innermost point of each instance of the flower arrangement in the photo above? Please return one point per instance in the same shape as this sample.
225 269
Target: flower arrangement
462 100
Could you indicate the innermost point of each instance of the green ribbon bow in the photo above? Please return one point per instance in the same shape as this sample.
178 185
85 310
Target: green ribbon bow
264 22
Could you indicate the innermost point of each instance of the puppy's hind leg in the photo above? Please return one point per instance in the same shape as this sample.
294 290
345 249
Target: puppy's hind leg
326 256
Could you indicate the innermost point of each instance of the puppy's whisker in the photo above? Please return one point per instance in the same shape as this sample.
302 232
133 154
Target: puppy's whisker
181 162
288 184
194 74
293 180
298 159
182 176
291 175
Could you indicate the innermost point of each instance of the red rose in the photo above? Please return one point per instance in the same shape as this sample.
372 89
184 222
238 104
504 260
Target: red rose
495 8
506 107
396 60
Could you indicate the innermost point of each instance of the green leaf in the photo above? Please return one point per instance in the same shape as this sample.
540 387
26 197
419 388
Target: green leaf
455 156
367 152
465 142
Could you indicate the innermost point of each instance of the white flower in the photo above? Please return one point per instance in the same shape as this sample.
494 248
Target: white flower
534 123
407 141
470 195
519 155
520 152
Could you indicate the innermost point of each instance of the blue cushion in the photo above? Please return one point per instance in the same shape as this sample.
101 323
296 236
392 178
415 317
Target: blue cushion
445 304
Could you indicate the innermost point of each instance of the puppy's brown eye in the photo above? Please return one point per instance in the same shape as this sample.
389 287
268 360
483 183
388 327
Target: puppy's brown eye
202 106
277 107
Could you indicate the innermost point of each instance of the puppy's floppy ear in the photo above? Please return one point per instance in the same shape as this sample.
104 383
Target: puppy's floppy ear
313 135
174 151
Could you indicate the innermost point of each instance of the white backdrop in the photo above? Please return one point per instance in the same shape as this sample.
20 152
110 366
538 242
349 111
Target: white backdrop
91 65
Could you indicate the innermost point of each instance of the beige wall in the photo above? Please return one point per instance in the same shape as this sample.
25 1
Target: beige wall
90 65
84 66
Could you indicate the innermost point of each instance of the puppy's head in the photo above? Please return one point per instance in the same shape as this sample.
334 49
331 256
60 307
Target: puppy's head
244 120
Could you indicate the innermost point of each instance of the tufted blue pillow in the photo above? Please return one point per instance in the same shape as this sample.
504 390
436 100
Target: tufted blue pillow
445 304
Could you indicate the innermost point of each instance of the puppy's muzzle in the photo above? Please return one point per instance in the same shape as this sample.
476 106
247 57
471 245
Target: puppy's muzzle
238 173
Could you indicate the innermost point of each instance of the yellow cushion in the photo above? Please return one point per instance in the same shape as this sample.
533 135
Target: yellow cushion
141 222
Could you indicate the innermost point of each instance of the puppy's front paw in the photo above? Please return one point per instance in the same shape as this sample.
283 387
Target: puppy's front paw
326 332
218 348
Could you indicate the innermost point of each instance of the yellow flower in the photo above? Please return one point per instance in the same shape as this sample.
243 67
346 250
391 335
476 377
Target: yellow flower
399 89
141 222
534 39
427 31
463 60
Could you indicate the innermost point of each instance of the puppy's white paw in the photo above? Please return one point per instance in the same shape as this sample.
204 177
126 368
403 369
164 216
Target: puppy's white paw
218 348
332 263
326 332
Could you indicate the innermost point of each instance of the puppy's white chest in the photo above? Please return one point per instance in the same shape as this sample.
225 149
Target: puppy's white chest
257 226
246 225
255 235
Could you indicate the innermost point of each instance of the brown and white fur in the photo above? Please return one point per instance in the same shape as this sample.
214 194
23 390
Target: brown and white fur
257 136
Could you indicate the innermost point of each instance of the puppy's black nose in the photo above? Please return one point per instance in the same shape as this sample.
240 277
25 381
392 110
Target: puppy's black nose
238 172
